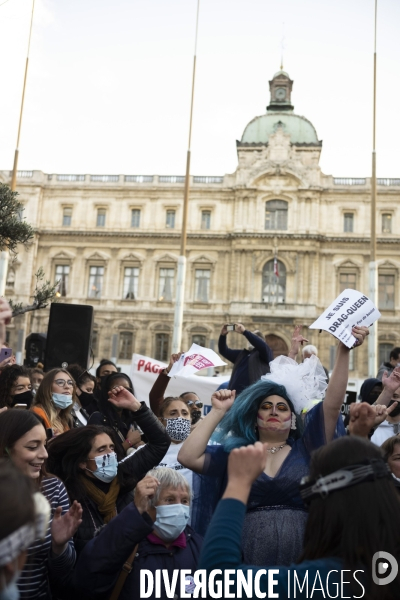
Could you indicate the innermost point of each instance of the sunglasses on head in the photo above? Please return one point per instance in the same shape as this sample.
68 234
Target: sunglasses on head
196 402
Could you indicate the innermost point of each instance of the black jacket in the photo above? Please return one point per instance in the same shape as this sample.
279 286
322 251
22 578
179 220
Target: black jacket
101 561
135 465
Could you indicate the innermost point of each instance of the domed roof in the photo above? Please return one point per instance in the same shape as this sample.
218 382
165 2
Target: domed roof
299 128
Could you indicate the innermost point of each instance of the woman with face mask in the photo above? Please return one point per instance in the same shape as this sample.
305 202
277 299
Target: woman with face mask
54 400
92 463
120 419
155 529
176 418
15 387
51 556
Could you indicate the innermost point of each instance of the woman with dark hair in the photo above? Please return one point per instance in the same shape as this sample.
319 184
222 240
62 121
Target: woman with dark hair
54 399
353 515
120 419
269 411
51 559
17 526
90 460
391 453
15 386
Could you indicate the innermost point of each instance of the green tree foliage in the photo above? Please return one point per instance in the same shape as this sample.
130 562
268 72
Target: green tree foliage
13 230
43 294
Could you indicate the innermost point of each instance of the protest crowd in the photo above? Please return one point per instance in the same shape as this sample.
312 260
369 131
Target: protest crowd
98 487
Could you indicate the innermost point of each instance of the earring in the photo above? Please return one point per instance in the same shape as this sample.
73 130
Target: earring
293 425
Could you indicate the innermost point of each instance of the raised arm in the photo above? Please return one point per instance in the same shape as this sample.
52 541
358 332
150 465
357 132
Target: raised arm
338 383
297 341
223 349
158 441
156 395
259 344
192 453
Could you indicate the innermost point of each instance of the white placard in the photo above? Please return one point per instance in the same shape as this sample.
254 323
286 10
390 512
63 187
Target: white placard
145 370
195 359
351 308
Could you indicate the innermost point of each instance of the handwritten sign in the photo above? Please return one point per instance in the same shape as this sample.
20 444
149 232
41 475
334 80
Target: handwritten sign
351 308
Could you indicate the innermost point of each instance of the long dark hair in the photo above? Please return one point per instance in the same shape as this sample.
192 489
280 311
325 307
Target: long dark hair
17 506
107 409
44 399
69 449
14 424
356 522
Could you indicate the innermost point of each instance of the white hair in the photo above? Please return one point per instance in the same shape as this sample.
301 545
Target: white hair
310 349
168 478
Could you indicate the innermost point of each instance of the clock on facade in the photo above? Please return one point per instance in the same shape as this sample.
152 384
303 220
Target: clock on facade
280 93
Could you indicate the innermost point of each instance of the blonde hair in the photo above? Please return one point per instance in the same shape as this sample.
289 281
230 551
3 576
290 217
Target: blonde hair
44 398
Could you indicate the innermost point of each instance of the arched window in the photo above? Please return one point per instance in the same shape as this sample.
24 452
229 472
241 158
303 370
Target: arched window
274 282
276 214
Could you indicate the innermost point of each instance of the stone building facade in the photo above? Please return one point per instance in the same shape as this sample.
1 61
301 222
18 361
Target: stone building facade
113 241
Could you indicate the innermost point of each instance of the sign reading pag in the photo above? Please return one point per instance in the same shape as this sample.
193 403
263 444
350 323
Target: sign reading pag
351 308
195 359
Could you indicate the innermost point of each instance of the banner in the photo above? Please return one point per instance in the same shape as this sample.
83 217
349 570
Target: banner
145 370
195 359
351 308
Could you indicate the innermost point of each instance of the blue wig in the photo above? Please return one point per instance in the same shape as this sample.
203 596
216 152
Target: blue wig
237 428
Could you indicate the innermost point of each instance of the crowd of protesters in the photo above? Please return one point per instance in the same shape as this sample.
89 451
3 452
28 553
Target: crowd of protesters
97 487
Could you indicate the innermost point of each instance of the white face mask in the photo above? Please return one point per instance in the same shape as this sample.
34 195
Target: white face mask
171 520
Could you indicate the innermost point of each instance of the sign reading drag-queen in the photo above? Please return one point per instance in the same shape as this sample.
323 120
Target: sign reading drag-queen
350 309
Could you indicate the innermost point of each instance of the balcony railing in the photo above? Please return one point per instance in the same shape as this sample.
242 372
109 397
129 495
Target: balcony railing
349 180
207 179
70 177
104 178
171 179
388 181
23 173
139 178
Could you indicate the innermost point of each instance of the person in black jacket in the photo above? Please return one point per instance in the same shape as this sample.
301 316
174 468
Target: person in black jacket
90 461
123 421
157 522
250 363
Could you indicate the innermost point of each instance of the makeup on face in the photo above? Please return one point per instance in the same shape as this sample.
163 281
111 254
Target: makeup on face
274 413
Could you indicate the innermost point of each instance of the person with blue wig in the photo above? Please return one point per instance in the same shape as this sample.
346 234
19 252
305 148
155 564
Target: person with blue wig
268 411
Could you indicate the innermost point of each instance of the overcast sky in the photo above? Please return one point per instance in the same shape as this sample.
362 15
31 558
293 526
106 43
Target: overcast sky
109 82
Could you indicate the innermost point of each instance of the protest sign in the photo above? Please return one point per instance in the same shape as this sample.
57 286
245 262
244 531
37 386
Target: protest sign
351 308
145 370
196 359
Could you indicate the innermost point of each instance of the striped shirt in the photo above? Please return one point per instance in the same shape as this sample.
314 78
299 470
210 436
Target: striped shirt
41 566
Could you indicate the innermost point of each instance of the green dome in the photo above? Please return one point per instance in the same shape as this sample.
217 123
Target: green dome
301 131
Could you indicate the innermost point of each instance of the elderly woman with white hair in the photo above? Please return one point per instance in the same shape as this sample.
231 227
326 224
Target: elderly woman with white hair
151 533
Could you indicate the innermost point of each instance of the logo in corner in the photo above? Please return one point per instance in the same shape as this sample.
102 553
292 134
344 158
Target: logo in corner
384 568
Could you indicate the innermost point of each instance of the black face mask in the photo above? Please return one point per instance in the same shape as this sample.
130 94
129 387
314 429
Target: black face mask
396 411
85 398
195 416
24 398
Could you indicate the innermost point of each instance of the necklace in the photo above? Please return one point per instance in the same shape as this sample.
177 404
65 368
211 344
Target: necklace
275 449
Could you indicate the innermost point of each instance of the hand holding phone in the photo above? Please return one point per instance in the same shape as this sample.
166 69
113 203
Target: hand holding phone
230 327
5 353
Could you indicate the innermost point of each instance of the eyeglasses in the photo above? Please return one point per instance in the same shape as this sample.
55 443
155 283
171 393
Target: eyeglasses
196 402
63 382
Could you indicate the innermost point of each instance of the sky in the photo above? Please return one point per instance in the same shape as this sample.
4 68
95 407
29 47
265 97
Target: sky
109 82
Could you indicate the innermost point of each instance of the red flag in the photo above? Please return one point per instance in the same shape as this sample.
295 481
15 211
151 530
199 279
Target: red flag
276 272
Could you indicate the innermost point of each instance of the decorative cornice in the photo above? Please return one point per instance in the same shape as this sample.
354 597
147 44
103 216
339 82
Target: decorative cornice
217 236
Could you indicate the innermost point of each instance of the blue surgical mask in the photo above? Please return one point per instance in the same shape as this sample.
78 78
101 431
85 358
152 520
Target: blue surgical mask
107 467
171 520
62 400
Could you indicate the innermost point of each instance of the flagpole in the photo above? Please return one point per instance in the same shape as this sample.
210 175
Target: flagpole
4 257
373 270
181 272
